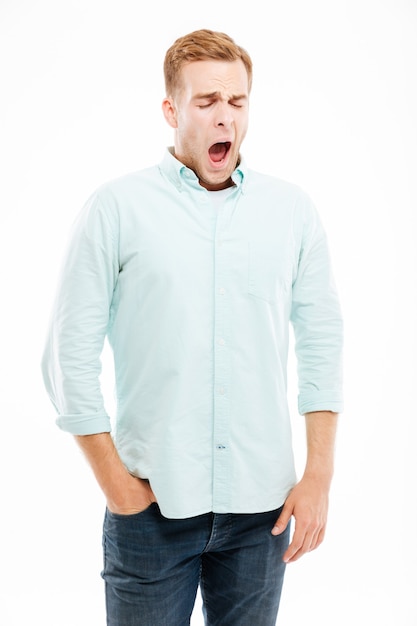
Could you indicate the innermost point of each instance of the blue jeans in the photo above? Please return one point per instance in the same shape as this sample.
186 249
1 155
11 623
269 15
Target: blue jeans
153 566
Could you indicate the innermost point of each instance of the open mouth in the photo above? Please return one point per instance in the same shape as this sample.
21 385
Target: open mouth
218 151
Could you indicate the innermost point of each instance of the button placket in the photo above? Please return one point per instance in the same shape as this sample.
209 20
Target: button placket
221 425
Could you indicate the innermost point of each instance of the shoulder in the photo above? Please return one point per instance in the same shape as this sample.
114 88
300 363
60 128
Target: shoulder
279 192
120 195
128 183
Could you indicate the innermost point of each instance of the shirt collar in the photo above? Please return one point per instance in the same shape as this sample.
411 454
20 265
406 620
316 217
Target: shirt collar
180 175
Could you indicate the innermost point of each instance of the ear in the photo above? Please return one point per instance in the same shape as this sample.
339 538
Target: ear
170 112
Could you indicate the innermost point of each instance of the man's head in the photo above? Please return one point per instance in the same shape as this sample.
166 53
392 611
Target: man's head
208 79
201 45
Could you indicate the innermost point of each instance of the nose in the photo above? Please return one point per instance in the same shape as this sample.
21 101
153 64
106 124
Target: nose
223 115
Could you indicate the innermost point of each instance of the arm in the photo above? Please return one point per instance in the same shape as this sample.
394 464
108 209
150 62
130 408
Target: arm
124 493
71 362
308 501
318 331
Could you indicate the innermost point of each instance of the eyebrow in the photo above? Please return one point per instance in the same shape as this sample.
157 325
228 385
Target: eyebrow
216 94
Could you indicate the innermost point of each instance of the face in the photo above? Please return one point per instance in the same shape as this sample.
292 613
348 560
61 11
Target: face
209 113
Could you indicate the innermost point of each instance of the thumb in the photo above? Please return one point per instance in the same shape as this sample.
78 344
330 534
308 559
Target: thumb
283 520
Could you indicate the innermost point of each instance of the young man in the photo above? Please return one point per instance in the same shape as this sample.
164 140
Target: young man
194 270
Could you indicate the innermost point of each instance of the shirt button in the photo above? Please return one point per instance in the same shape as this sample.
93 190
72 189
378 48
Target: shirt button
222 391
221 342
222 291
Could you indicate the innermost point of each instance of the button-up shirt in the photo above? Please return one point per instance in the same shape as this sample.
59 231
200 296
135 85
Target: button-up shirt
196 304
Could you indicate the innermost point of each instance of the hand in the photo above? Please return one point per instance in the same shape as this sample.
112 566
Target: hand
134 496
308 503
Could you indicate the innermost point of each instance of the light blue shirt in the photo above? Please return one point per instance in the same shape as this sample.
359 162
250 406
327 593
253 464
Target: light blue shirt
196 303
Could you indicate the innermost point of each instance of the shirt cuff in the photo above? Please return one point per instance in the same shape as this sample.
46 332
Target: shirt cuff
84 424
320 401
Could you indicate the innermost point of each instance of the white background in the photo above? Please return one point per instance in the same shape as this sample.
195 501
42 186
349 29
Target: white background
333 109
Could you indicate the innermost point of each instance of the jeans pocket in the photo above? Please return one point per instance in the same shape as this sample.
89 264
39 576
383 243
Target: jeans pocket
131 516
269 271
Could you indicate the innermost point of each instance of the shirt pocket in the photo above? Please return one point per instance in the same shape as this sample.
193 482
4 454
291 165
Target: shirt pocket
269 276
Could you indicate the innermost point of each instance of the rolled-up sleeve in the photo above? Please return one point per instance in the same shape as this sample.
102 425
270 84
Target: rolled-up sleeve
71 362
317 319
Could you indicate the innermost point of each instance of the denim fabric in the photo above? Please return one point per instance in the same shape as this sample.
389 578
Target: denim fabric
153 566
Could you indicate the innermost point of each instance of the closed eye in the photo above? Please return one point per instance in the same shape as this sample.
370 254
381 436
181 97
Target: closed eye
235 105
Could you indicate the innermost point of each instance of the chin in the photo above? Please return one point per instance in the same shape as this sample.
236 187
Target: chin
219 179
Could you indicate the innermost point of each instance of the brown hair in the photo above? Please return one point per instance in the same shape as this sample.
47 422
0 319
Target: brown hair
201 45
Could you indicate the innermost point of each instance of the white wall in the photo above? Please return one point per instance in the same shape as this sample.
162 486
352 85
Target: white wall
334 110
